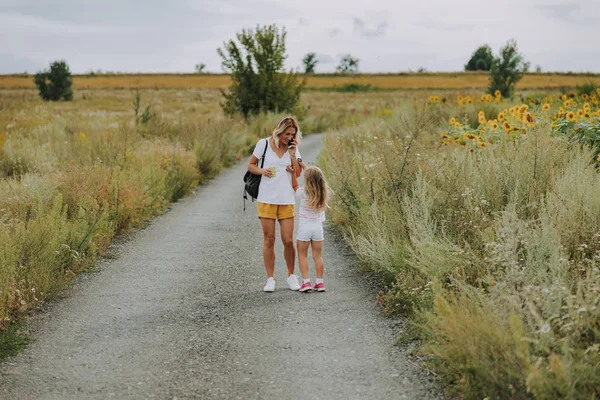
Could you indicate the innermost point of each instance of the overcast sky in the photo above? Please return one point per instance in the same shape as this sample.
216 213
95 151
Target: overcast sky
386 35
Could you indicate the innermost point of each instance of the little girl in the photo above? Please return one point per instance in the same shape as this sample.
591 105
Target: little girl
314 196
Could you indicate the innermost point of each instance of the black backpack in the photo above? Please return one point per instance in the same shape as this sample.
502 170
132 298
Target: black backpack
252 181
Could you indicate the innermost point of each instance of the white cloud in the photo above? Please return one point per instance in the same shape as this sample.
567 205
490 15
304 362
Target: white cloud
389 35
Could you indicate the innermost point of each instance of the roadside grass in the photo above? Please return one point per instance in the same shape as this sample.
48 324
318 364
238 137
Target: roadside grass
12 340
492 251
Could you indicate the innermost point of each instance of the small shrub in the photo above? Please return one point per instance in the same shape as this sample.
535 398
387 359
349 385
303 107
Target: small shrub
354 87
55 84
586 88
507 70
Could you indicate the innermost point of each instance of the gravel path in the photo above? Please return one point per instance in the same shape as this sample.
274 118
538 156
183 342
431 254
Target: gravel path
180 313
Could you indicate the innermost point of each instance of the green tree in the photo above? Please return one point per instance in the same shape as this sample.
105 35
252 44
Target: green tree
507 70
310 62
200 68
348 64
481 60
259 81
56 83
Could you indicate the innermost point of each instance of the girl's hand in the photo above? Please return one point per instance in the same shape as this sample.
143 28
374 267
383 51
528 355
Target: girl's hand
289 168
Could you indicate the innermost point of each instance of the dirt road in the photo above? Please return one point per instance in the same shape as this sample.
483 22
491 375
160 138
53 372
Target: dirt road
180 313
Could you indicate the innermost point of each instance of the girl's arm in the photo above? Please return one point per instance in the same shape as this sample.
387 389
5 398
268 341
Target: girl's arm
295 185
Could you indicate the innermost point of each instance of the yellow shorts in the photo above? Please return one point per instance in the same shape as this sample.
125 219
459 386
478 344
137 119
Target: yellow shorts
276 211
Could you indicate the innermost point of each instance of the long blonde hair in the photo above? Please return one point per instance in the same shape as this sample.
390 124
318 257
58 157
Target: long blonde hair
283 125
316 188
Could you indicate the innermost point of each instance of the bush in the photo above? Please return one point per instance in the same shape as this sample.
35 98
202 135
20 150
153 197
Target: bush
354 87
260 83
481 60
586 88
507 70
55 84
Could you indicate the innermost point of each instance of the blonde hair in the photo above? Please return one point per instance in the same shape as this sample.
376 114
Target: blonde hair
283 125
316 188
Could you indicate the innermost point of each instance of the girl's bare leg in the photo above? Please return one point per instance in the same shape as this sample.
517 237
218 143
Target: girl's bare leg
268 228
303 257
317 251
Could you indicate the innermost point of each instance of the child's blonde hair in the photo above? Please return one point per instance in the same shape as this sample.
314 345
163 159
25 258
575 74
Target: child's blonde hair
316 188
283 125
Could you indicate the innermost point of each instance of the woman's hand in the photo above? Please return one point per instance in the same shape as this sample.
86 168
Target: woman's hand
266 172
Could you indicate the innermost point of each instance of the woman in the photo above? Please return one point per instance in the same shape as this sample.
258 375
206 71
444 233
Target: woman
276 196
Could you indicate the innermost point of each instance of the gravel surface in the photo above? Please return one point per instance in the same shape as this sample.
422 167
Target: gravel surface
180 314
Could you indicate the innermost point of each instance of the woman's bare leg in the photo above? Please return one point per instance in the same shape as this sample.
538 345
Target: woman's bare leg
303 257
268 228
286 227
317 254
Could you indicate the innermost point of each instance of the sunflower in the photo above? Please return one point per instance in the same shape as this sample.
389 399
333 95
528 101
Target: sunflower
563 97
528 118
506 126
570 116
598 158
481 144
580 113
452 121
481 120
545 106
523 108
470 136
501 116
585 96
598 112
457 125
494 125
432 98
587 115
444 136
497 93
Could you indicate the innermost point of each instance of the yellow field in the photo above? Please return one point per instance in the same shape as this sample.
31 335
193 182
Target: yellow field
457 80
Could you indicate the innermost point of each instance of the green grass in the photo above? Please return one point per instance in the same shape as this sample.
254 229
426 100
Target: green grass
12 340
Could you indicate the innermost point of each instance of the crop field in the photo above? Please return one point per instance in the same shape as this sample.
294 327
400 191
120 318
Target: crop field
457 81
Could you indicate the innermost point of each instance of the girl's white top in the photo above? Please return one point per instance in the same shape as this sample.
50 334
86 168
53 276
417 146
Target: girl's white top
276 190
306 212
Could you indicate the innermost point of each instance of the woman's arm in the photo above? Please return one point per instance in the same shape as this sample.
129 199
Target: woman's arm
255 169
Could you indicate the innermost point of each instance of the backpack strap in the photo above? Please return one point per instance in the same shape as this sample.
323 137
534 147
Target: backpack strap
262 163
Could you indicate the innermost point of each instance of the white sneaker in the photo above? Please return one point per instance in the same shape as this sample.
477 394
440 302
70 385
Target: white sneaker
292 281
270 285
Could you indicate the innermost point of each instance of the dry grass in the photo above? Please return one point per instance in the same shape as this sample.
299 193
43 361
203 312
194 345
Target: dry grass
495 251
411 81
